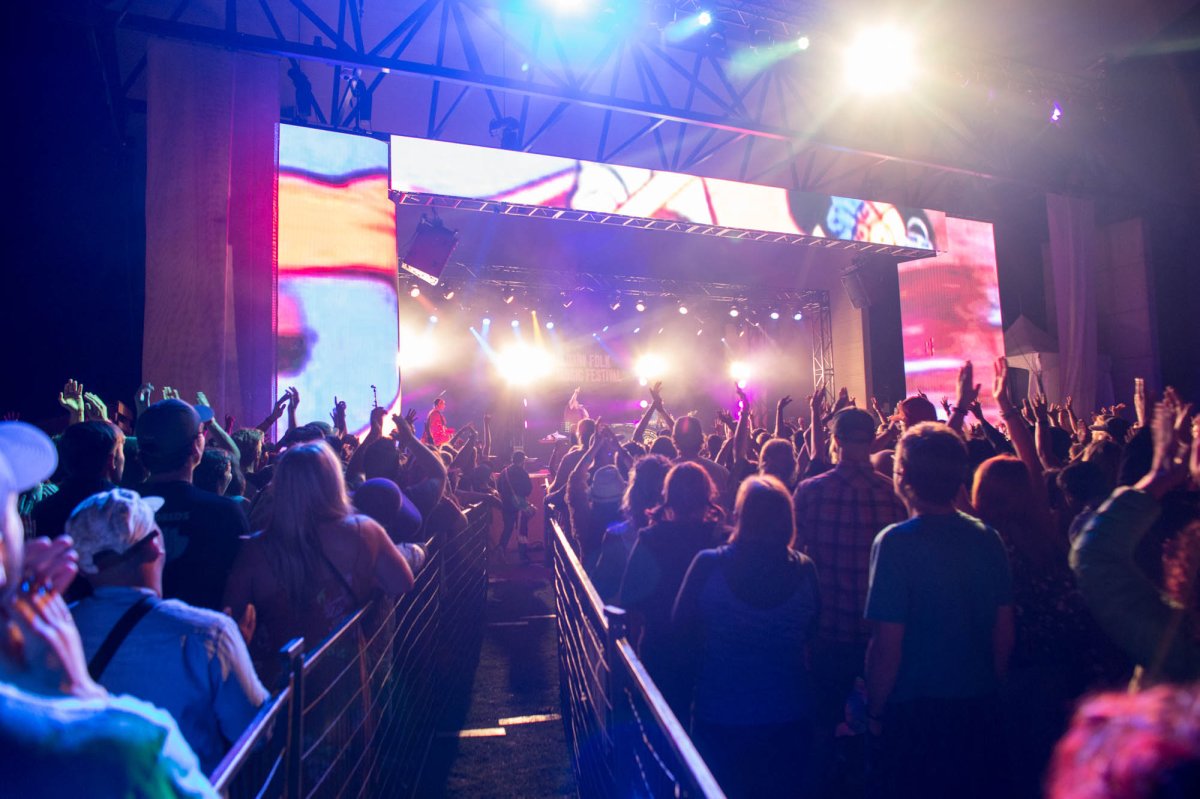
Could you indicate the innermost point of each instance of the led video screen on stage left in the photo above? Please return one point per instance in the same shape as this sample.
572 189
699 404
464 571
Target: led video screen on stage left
337 329
950 312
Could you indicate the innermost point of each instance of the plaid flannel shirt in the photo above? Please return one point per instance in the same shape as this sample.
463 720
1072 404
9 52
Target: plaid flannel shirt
838 515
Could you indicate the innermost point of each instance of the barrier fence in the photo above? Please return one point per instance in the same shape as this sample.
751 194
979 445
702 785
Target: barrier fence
625 739
356 715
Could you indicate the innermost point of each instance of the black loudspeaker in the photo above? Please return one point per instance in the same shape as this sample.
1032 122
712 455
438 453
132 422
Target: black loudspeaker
855 286
429 249
1018 383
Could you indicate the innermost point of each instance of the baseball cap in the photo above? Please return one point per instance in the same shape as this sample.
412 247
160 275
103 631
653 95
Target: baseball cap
111 522
27 457
1115 426
382 500
607 484
170 425
853 424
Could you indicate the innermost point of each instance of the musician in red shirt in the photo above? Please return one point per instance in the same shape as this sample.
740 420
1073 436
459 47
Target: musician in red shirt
436 431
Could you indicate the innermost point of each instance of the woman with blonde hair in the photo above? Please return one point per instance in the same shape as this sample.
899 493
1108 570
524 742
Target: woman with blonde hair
314 562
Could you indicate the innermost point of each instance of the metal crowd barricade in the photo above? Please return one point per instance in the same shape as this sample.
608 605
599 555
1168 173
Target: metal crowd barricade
625 739
357 714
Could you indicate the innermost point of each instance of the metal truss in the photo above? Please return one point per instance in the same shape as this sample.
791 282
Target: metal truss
541 283
644 223
820 322
620 93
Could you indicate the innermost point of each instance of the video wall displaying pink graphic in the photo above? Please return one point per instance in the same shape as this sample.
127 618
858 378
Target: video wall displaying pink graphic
423 166
337 329
950 311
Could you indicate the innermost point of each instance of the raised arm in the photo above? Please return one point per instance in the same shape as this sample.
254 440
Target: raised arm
430 464
968 391
741 433
818 449
784 401
292 403
355 466
71 398
1018 431
275 415
219 437
639 432
487 436
338 415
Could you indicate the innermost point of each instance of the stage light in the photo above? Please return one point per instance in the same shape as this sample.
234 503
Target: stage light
802 43
740 371
566 7
705 18
522 365
650 366
637 330
486 321
880 60
448 294
433 320
549 325
416 350
1056 113
641 306
566 299
774 314
699 331
683 310
797 316
604 329
734 312
414 292
509 296
516 323
616 302
644 404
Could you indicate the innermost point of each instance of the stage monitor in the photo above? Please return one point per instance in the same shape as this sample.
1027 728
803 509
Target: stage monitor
429 249
492 177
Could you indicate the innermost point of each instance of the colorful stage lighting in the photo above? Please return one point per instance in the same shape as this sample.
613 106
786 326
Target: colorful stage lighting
641 306
734 313
650 366
881 60
802 43
740 371
774 314
516 323
433 320
797 316
705 18
414 292
549 325
683 310
568 7
522 365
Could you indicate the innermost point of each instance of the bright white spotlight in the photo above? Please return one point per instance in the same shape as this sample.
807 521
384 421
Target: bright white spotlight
802 43
734 313
797 316
740 371
683 310
516 323
774 314
486 321
881 60
433 320
644 404
566 7
415 291
650 366
417 350
549 325
705 18
521 365
641 306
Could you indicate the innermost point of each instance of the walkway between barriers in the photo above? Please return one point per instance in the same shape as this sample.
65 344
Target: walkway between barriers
508 739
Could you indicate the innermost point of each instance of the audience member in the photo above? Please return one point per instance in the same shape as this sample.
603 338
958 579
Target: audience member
940 601
315 561
515 487
644 493
61 734
201 531
92 455
747 612
593 508
189 661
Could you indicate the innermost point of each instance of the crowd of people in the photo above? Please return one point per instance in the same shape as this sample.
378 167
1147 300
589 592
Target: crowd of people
849 602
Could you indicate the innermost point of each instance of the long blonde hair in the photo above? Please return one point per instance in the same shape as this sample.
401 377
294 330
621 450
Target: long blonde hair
309 490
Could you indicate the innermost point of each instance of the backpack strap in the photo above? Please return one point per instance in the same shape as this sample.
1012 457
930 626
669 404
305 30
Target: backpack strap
119 633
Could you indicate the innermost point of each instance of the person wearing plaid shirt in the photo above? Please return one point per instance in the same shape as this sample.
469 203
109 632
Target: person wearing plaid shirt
838 515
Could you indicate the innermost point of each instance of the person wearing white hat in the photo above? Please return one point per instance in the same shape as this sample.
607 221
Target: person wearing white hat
60 733
189 661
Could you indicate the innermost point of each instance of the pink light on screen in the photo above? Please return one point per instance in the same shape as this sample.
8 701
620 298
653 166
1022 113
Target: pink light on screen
950 313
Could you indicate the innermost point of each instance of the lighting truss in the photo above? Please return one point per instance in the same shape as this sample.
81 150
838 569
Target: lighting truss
644 223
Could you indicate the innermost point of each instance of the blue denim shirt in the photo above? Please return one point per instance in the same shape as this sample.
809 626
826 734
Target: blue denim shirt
188 661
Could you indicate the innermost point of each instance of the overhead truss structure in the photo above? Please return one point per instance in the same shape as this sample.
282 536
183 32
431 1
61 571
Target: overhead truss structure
646 223
615 89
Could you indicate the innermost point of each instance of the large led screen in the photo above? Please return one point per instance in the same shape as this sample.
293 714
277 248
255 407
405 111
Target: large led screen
423 166
950 311
337 327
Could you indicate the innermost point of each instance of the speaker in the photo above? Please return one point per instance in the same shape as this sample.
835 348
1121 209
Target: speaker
856 287
429 249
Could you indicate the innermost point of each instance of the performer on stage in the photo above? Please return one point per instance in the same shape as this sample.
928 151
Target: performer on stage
436 431
573 414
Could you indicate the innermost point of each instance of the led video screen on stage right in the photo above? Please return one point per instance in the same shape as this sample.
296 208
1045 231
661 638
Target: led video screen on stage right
950 311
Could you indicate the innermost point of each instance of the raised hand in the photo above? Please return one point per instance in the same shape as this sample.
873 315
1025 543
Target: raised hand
95 409
170 393
976 409
405 431
843 400
338 414
784 401
656 394
293 398
1041 411
968 389
141 400
71 398
49 565
202 400
1170 465
1194 461
377 416
946 405
411 418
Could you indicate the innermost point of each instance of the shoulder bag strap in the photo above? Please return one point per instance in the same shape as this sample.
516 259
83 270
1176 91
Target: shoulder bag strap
119 633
